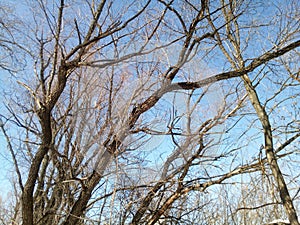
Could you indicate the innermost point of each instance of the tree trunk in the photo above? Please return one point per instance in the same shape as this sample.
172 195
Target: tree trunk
264 119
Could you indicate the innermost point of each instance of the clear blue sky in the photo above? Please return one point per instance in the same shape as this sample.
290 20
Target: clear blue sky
7 169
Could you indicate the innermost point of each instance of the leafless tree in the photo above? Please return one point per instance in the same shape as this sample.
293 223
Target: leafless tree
145 112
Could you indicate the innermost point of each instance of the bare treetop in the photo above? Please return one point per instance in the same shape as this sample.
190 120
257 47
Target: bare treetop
151 112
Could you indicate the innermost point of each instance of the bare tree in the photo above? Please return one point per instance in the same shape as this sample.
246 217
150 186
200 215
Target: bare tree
138 112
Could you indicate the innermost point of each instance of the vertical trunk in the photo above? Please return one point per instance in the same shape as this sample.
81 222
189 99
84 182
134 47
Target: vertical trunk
27 194
44 115
271 157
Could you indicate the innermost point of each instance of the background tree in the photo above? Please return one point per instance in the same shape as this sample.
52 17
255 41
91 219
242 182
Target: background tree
155 112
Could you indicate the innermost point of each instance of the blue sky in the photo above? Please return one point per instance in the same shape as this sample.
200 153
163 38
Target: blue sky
164 143
6 170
